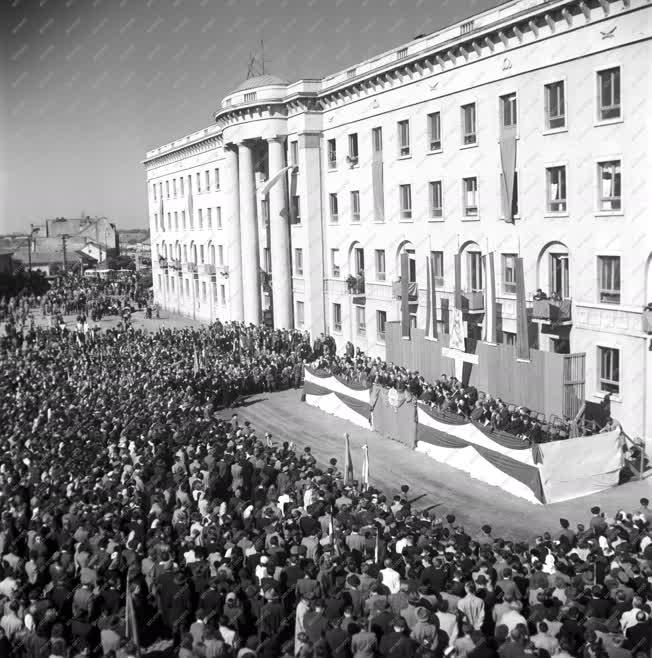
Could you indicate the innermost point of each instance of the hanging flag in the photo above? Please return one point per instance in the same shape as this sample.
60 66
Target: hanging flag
522 335
131 624
508 168
428 300
405 295
348 463
365 467
490 299
431 329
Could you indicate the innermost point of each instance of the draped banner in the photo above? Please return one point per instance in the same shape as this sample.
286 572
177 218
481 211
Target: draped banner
489 329
394 414
522 335
377 185
508 169
431 301
405 295
161 211
346 400
428 301
504 461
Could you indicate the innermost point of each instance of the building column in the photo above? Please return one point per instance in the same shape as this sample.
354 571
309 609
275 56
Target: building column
280 238
310 190
249 235
233 248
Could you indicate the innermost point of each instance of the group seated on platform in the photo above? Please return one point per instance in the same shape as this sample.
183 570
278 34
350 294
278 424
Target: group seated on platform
450 396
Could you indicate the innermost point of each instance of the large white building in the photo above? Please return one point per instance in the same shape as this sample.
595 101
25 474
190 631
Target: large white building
317 180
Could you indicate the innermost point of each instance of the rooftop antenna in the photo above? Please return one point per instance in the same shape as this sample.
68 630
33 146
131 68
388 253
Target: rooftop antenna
256 64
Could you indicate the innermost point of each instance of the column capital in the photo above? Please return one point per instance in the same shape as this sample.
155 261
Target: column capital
231 146
310 139
277 138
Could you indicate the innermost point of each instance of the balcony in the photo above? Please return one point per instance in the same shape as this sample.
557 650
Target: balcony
163 263
647 320
552 311
207 268
413 290
190 268
473 301
175 265
356 288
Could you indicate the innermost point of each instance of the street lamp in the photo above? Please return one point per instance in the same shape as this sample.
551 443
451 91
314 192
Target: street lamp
30 238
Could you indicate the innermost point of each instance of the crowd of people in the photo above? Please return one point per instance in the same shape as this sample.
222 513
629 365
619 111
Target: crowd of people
132 490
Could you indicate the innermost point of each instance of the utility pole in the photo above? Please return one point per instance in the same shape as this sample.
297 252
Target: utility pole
64 238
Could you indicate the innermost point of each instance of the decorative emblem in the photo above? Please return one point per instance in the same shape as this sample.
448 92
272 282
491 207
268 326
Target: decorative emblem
375 105
392 398
608 34
507 64
330 118
434 86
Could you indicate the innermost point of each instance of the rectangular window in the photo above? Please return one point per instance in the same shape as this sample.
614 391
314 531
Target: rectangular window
335 262
209 218
559 275
176 221
333 205
295 209
264 208
200 219
332 154
377 140
298 262
300 315
556 185
508 338
187 288
404 137
381 321
201 254
156 221
508 110
214 290
223 294
208 180
555 98
438 266
154 189
353 149
405 200
198 182
160 190
183 219
401 53
470 187
190 221
434 131
174 187
355 207
220 255
509 274
167 189
294 153
609 94
267 259
218 217
250 97
360 322
609 279
436 203
169 221
474 271
181 192
469 135
609 379
380 264
337 317
609 182
217 179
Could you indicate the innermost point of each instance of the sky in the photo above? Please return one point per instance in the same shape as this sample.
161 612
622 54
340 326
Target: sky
88 86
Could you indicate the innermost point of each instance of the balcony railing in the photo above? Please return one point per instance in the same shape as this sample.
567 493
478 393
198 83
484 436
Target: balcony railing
356 285
551 310
163 263
413 290
175 265
473 301
207 268
647 320
191 268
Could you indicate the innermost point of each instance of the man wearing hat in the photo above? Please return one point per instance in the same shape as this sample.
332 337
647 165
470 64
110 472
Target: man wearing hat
396 643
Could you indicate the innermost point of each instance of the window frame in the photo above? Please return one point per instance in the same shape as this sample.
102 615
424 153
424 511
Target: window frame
333 202
354 152
547 128
504 99
616 275
381 320
216 174
438 265
360 319
549 211
404 151
379 254
300 317
354 199
377 139
433 215
331 154
465 141
298 262
508 286
336 270
336 317
609 384
405 213
599 119
600 210
466 215
434 121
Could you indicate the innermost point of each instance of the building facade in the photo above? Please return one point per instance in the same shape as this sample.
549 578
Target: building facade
522 131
